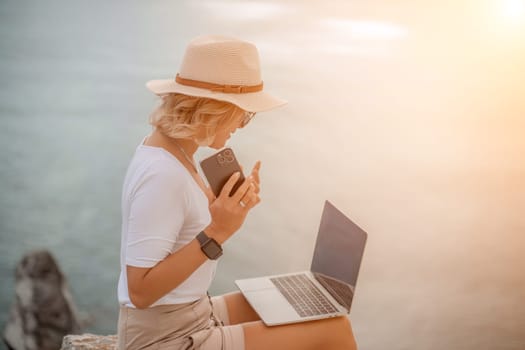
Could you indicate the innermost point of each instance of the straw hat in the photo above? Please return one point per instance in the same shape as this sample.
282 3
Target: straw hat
221 68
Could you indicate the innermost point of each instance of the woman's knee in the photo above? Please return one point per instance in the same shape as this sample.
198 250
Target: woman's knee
346 329
336 333
239 310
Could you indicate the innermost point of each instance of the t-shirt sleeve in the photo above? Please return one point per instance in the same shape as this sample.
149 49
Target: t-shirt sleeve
157 211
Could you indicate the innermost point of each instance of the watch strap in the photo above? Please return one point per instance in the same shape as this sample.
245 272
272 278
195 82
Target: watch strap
209 246
202 237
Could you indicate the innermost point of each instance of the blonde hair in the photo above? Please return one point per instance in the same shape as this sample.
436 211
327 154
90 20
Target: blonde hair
196 118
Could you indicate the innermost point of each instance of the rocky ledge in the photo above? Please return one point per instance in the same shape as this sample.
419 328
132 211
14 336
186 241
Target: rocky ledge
43 315
89 342
43 311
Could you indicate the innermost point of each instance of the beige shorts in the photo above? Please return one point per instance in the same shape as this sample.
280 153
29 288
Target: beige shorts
203 324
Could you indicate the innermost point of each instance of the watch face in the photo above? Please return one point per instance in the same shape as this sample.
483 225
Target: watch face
212 249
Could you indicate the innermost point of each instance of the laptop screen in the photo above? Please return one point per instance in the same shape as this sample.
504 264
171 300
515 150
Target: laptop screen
338 254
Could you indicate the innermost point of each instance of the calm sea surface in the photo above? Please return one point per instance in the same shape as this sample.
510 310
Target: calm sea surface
409 117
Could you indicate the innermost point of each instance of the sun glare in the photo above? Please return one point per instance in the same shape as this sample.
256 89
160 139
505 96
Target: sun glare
513 10
244 10
366 30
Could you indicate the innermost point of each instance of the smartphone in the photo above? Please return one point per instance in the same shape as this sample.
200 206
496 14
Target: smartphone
219 167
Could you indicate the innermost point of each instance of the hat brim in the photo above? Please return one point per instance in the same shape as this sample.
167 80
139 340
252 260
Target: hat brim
252 102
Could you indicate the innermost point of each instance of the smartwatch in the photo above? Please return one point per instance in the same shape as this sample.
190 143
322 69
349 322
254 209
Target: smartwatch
209 246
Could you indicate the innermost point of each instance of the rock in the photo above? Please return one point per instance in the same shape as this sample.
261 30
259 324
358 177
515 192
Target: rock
43 311
89 342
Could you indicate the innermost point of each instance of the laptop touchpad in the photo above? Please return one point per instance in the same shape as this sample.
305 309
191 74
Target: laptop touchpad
252 284
271 306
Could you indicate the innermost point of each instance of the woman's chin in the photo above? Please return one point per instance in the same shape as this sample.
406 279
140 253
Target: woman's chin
220 142
217 145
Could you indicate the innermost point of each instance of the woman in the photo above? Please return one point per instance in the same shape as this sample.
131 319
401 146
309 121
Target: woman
171 219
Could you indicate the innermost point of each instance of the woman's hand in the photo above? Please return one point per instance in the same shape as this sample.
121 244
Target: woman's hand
255 175
228 213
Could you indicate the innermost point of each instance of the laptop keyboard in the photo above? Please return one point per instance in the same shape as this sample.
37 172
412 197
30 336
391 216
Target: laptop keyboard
303 295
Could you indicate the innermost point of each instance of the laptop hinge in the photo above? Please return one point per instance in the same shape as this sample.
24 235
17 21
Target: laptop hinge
340 291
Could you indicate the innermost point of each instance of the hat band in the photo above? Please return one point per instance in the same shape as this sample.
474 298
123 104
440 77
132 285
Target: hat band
229 89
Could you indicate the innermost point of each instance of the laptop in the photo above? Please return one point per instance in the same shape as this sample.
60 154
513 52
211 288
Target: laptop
326 290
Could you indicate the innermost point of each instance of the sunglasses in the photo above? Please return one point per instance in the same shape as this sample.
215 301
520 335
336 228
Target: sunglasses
247 117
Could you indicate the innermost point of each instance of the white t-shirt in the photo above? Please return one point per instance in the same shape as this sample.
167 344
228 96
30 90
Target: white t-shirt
163 209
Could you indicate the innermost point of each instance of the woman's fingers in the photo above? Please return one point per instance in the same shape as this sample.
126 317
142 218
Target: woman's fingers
255 176
257 187
246 196
255 171
250 198
228 186
228 213
236 199
243 189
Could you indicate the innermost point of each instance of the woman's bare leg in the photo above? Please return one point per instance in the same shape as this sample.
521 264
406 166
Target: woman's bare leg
327 334
239 311
332 333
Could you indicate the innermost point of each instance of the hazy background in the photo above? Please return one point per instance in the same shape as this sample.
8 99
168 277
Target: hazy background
408 115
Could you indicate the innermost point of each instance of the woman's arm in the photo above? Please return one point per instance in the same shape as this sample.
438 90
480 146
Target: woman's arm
147 285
